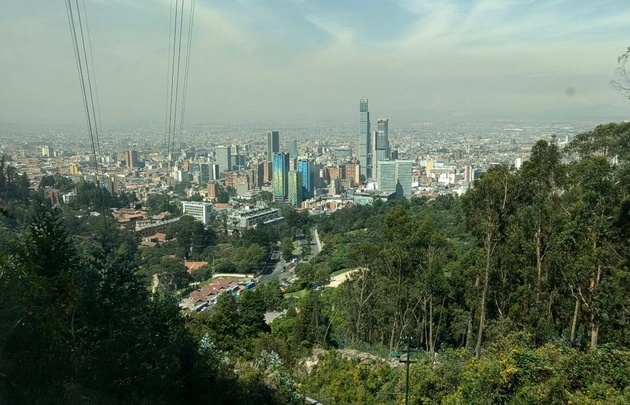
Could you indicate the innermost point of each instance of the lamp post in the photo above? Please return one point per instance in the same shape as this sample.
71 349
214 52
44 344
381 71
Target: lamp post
408 341
365 373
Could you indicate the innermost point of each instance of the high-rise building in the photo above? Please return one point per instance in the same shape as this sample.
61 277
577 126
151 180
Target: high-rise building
215 172
48 151
204 170
267 171
131 158
273 144
365 141
469 173
395 176
351 172
335 186
108 182
382 140
380 144
257 175
291 148
280 176
213 190
330 173
308 178
201 211
223 158
295 190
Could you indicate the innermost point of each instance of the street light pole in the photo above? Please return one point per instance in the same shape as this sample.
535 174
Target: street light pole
365 376
408 341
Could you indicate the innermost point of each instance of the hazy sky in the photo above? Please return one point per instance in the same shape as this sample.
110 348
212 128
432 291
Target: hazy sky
272 60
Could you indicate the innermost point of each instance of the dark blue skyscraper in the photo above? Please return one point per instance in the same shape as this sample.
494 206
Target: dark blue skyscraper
308 178
273 144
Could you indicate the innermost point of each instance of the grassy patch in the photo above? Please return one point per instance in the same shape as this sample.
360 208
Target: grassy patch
298 294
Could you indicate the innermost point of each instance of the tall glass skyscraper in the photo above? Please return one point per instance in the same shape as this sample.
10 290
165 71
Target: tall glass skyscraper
223 158
280 176
273 144
295 188
308 178
380 144
365 141
292 148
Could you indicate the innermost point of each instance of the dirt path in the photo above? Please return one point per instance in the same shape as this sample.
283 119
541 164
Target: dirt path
340 278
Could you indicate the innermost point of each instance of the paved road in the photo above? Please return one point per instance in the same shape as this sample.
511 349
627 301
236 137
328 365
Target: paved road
316 244
276 268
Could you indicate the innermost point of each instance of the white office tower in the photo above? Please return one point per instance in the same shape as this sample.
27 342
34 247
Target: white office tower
201 211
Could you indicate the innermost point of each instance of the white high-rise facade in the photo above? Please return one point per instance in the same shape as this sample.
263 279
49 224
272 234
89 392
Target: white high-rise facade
201 211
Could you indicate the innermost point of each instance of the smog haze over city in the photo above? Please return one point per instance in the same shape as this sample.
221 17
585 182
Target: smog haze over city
274 62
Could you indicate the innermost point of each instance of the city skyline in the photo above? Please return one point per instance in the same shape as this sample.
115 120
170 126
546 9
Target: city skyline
312 60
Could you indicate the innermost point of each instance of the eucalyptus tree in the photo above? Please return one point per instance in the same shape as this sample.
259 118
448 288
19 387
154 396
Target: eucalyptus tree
533 238
597 198
593 202
488 207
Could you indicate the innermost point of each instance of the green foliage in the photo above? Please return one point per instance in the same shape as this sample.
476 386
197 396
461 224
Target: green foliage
202 273
233 324
91 197
306 273
225 267
286 248
61 183
266 196
272 295
14 187
172 274
541 250
261 235
158 203
513 374
224 194
191 236
312 323
252 259
78 325
608 140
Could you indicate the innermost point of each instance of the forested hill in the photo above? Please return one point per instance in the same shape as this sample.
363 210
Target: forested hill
80 325
542 251
528 272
